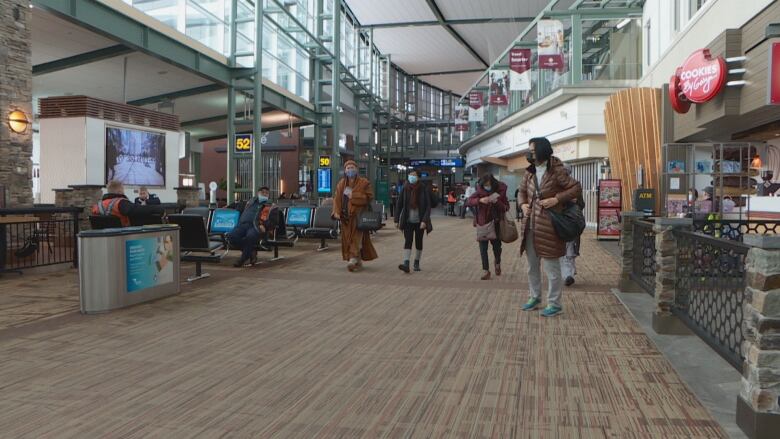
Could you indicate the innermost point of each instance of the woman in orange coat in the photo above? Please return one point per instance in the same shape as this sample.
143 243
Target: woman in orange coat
353 195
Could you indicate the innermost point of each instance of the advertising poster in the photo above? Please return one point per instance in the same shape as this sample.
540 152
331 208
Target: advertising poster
549 41
609 194
461 117
149 262
520 69
476 112
609 222
499 87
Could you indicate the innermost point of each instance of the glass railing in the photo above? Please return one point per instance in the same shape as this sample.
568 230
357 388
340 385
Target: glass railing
609 55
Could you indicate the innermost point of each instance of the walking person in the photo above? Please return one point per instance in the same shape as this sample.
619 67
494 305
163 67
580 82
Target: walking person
546 185
353 195
569 261
490 204
413 216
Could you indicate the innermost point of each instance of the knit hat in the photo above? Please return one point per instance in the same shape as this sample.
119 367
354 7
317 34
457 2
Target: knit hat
350 162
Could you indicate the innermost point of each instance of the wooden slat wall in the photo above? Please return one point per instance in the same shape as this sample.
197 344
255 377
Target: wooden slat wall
84 106
633 123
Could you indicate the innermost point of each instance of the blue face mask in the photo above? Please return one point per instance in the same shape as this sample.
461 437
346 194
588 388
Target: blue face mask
262 198
351 173
412 179
488 188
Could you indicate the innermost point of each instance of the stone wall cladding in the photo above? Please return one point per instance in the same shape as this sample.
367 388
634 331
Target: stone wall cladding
761 326
84 197
15 94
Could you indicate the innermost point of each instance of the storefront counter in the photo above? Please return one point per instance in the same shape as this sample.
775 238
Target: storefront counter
127 266
764 208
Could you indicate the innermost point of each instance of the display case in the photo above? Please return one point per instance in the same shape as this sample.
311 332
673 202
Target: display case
700 179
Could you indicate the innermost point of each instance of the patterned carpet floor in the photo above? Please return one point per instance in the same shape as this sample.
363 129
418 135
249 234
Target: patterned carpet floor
303 349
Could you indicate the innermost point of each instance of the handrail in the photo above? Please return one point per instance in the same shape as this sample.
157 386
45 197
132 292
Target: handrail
34 210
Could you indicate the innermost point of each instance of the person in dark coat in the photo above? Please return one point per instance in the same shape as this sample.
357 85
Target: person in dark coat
253 226
115 203
539 239
413 216
490 204
145 198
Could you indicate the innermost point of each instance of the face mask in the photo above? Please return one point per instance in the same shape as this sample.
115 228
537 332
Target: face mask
351 173
531 157
488 188
412 179
262 198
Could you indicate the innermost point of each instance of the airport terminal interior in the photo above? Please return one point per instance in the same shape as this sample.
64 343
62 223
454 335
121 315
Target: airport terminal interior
390 219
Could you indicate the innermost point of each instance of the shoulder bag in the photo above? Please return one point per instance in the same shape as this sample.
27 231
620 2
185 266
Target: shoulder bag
368 220
507 229
569 222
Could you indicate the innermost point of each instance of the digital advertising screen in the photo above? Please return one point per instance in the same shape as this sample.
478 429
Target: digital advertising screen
324 181
299 216
135 157
224 220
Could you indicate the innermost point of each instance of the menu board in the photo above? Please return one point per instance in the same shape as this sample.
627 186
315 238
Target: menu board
609 222
610 202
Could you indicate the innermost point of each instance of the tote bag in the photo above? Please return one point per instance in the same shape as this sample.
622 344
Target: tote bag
368 220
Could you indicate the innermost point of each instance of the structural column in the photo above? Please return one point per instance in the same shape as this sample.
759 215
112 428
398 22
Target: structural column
664 322
16 95
627 251
758 404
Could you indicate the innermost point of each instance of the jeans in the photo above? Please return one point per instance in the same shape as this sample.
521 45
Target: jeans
413 232
483 252
568 262
244 236
552 268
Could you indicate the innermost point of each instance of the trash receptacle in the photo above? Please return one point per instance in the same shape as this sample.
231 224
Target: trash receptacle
126 266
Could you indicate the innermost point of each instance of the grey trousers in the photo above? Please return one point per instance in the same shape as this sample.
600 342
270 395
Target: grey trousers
569 262
552 269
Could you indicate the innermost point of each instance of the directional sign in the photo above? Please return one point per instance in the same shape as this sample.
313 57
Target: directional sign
243 143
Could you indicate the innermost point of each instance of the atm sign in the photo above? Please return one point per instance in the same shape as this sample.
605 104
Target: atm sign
324 161
645 196
243 143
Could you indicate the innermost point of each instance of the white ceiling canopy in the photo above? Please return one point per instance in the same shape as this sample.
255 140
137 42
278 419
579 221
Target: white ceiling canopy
456 39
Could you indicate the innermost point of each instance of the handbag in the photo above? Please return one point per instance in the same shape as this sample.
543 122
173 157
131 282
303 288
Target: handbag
569 223
368 220
486 232
507 229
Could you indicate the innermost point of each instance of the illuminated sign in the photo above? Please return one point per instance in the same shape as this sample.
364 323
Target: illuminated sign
698 80
324 161
438 163
243 143
774 74
324 181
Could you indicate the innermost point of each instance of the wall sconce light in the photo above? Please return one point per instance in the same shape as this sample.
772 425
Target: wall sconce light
18 121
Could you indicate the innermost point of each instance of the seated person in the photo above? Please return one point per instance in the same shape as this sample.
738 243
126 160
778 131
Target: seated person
144 198
253 225
115 203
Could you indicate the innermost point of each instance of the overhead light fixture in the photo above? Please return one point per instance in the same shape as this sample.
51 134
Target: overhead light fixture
623 23
417 136
18 121
396 137
376 137
439 134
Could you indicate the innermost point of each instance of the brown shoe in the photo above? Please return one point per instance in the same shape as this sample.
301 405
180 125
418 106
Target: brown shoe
486 276
498 269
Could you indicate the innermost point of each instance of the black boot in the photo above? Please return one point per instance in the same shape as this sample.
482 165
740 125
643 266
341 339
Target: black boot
417 265
404 267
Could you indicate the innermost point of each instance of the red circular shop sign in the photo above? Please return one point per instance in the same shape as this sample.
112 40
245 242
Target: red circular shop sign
701 77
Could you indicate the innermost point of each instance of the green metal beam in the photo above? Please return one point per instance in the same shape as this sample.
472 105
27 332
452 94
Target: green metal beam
576 49
450 22
442 21
449 72
177 94
112 24
81 59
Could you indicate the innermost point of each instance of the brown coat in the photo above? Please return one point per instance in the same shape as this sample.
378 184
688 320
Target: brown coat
354 242
555 183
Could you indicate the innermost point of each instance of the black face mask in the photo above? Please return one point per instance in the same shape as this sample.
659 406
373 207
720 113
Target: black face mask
531 157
